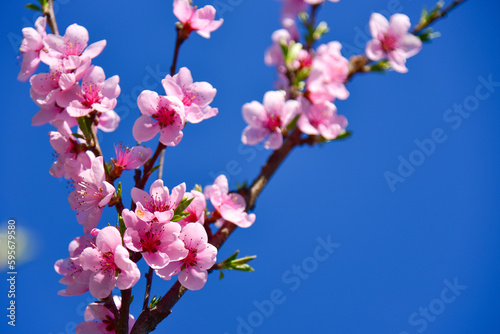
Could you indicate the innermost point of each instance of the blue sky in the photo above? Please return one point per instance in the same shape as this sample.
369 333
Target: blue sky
418 257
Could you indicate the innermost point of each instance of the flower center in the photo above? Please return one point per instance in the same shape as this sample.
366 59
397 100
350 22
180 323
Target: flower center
165 116
273 122
389 43
72 49
157 204
91 94
90 195
150 242
108 263
190 260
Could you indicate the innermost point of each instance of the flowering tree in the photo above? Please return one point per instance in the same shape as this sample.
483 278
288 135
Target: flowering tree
178 232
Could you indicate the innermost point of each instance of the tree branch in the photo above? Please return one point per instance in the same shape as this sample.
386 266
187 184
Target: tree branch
48 11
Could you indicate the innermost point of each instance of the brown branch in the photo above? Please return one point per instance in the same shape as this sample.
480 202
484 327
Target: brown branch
48 11
149 280
122 324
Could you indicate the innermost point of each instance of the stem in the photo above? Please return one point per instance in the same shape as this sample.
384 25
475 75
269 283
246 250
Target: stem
310 25
178 42
440 14
122 325
48 11
149 279
148 166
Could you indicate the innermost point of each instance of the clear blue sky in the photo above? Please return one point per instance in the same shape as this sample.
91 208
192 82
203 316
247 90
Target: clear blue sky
396 251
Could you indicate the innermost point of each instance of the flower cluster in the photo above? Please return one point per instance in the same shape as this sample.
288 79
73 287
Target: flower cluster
166 229
312 80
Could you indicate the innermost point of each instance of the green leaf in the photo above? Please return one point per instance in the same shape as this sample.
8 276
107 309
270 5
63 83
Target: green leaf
344 135
131 299
320 30
180 217
33 7
293 123
221 276
154 168
232 263
183 206
240 186
77 135
119 190
197 187
382 66
154 301
121 225
85 126
43 3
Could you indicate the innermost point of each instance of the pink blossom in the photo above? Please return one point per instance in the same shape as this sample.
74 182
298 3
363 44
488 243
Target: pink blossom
45 87
76 279
30 48
72 157
158 205
202 256
110 264
200 20
163 114
131 158
231 206
196 97
328 73
159 243
392 40
268 119
73 43
108 121
321 119
95 94
196 208
99 319
91 195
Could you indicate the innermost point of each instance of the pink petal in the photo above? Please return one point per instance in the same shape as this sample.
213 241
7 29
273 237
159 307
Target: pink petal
148 102
182 10
378 25
193 278
170 136
253 136
184 78
145 128
274 102
274 141
254 113
374 50
94 49
169 270
101 284
108 239
139 195
399 25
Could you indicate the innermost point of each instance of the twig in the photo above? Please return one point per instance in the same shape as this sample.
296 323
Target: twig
149 279
122 324
48 11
